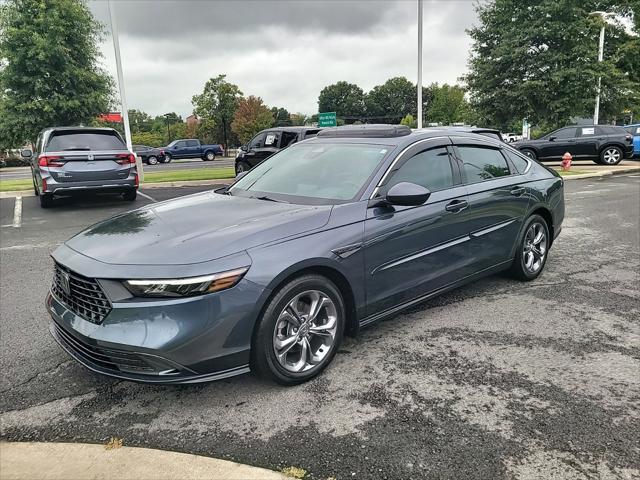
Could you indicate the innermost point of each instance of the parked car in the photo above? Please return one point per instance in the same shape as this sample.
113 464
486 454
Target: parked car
149 155
321 239
635 131
604 144
71 160
511 137
267 142
191 148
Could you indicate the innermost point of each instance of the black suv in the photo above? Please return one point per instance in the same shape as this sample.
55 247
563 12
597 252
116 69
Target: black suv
267 142
604 144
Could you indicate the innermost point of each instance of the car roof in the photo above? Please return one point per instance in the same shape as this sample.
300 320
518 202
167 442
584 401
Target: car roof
294 128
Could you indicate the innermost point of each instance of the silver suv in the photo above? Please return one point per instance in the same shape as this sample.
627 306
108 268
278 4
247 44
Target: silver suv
69 160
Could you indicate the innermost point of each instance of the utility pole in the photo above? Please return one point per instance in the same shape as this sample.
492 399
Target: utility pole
419 63
123 98
603 16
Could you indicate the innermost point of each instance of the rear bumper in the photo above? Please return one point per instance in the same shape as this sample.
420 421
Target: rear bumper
96 187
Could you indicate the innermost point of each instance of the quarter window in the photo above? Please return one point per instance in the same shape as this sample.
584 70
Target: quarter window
480 164
430 169
520 163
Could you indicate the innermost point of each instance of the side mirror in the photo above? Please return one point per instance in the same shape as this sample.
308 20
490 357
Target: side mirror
26 153
552 139
241 174
407 194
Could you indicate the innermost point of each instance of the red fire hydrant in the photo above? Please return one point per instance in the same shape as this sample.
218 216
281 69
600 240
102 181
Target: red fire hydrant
566 162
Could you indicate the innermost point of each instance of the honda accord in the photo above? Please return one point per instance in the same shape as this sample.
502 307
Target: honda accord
323 238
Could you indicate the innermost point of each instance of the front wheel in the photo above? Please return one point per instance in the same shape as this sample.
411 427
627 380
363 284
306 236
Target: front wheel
300 331
533 246
611 156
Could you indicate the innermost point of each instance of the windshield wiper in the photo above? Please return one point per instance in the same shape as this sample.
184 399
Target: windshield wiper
269 199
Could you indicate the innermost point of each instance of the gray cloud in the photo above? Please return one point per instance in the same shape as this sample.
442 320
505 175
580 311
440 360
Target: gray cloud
282 51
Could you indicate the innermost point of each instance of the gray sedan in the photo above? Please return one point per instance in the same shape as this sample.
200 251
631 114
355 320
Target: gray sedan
323 238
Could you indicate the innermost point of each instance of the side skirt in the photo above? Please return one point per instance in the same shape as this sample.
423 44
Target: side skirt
463 281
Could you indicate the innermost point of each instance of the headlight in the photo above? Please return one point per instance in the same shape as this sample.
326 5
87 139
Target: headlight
186 287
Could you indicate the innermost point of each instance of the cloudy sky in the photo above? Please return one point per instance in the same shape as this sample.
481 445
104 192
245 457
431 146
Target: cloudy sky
283 51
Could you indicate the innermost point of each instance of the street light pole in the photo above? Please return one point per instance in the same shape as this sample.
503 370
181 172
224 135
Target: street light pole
419 64
123 98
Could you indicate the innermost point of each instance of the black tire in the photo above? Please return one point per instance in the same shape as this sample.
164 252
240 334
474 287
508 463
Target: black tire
167 158
519 268
152 160
242 167
130 195
46 200
611 155
263 356
209 156
529 153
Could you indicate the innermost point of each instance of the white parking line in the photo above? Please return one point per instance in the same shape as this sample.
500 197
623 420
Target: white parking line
17 213
147 196
29 247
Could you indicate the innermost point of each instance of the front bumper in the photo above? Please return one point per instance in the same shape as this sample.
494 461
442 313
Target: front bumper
187 340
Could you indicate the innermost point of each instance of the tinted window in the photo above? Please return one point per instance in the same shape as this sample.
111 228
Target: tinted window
84 141
431 169
481 164
519 162
192 143
563 133
258 141
611 130
311 133
288 138
326 171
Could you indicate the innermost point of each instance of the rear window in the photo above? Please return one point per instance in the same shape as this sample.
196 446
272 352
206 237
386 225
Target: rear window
61 141
611 130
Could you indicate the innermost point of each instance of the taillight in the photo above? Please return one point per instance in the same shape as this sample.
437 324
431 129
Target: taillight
125 159
161 152
45 161
629 137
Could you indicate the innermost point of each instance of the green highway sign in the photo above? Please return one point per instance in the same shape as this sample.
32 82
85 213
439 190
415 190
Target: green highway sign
327 119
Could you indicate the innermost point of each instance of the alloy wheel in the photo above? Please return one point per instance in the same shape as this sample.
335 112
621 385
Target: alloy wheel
305 331
611 156
535 247
152 160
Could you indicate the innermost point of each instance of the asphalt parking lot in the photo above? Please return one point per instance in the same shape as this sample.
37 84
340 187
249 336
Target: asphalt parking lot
498 379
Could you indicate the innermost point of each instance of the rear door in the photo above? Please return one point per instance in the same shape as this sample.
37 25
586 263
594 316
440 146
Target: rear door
498 201
87 155
588 140
411 251
192 149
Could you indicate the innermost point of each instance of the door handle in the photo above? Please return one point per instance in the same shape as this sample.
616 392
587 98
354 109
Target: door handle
456 206
517 191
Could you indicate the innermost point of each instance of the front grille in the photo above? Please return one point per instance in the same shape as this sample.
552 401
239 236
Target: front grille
82 295
106 358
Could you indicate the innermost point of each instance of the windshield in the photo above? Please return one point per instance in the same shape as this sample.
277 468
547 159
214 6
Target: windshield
331 172
61 141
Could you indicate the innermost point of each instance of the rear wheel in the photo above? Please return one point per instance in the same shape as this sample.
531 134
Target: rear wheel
46 200
130 195
300 331
167 158
611 156
529 153
209 156
152 160
533 246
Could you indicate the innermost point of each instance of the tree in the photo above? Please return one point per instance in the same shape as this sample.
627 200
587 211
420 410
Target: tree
346 99
49 74
391 101
218 102
409 121
251 116
540 62
281 117
298 119
148 138
447 104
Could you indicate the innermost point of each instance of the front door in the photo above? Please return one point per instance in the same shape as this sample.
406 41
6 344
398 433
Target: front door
498 201
411 251
564 141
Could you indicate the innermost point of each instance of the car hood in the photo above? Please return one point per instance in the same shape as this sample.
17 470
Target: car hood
193 229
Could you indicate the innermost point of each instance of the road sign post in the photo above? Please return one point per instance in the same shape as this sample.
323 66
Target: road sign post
327 119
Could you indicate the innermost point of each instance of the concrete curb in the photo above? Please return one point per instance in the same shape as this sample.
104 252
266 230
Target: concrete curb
186 183
68 461
605 173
